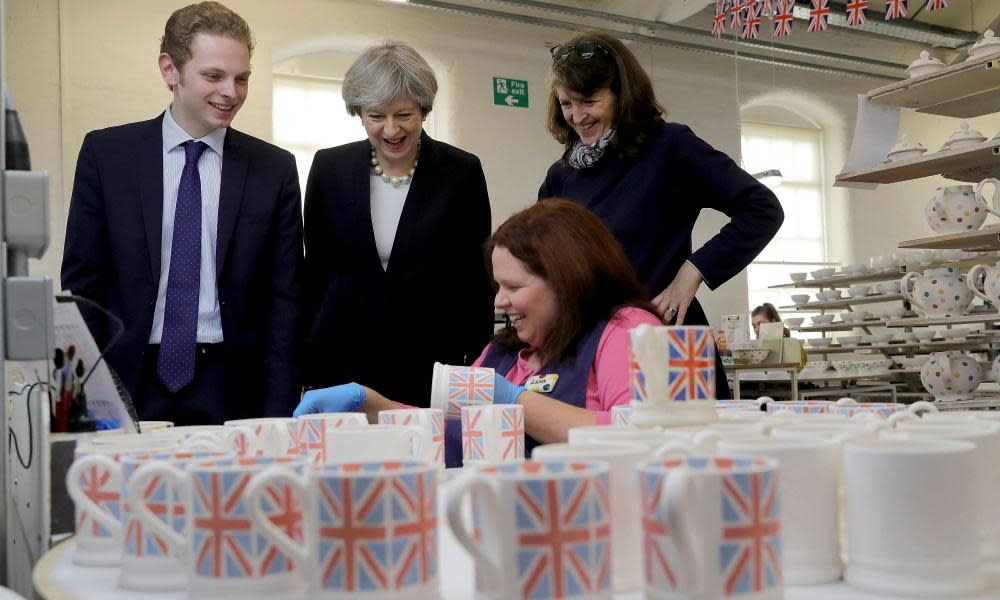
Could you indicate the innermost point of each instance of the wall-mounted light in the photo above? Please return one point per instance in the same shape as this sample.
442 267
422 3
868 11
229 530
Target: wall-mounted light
771 177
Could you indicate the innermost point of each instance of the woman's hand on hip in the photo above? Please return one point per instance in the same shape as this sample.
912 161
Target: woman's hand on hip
674 301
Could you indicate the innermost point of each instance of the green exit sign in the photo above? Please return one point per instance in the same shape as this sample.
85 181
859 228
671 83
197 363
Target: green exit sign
510 92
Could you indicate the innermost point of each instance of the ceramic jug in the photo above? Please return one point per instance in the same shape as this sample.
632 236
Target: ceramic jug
991 282
937 292
950 376
957 208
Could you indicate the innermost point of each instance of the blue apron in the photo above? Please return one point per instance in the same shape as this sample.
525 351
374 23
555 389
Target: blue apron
571 387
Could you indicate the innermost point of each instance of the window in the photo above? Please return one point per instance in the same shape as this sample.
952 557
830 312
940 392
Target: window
800 244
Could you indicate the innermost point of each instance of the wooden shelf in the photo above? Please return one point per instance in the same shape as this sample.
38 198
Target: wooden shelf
844 302
838 281
990 317
917 347
978 82
970 163
983 240
838 326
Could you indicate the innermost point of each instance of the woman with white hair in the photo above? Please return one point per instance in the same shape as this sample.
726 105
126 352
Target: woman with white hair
394 233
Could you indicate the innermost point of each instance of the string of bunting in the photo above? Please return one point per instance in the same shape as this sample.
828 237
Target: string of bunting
746 16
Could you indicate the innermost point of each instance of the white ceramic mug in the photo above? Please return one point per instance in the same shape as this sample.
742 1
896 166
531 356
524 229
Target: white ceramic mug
911 518
808 488
493 434
454 387
622 458
371 529
711 528
266 436
373 443
540 529
430 422
309 432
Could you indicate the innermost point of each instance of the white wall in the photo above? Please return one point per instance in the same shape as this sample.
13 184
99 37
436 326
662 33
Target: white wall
74 66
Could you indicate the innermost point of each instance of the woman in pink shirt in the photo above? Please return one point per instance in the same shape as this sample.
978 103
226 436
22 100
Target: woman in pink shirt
570 297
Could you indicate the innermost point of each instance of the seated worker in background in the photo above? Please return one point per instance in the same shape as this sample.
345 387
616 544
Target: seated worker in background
765 313
571 298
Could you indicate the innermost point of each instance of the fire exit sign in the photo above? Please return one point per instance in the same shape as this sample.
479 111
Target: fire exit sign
510 92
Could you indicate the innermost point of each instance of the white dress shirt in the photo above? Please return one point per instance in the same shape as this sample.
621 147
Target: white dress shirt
387 203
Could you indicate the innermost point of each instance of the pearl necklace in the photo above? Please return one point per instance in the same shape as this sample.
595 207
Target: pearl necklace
395 180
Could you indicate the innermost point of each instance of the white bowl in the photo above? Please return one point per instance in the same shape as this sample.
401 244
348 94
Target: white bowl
848 340
817 365
800 299
858 290
910 362
854 269
852 317
888 287
925 334
893 312
828 295
750 356
874 366
953 333
798 277
845 367
880 338
823 273
822 319
794 322
819 342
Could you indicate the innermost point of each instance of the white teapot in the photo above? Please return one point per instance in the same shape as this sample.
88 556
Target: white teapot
991 282
950 376
957 209
937 292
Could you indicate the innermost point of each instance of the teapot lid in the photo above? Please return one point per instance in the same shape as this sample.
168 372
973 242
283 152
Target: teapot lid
964 134
989 41
905 144
925 60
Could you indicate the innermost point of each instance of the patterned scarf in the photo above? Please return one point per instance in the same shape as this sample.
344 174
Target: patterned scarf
583 156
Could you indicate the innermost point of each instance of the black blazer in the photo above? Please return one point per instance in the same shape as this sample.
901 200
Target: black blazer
112 256
386 328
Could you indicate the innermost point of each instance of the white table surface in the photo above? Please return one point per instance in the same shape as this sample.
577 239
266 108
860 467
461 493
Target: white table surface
57 578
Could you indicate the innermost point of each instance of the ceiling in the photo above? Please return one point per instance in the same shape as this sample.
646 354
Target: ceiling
880 49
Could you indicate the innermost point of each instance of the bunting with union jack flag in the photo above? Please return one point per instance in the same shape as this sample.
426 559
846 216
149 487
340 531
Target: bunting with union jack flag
751 23
735 14
895 9
856 12
719 20
765 8
933 5
783 18
819 16
691 364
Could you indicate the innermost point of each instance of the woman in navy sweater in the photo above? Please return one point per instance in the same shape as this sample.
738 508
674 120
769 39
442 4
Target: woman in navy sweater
648 180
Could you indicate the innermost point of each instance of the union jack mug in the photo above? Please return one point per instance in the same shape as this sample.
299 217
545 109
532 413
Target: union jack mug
492 434
147 564
430 422
540 529
371 529
621 416
672 375
711 528
309 432
454 387
225 549
94 483
269 436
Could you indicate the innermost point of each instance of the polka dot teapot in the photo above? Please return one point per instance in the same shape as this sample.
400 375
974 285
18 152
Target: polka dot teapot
957 209
937 292
990 290
950 376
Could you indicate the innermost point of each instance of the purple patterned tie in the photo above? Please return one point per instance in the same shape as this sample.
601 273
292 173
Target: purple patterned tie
180 316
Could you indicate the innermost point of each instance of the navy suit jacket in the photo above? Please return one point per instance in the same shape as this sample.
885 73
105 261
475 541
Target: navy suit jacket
385 328
112 256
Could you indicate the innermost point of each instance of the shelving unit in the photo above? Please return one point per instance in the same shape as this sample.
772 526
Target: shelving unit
992 317
983 240
844 302
969 163
978 80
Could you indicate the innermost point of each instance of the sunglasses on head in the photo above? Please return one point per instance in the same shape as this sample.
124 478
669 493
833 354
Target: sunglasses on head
585 51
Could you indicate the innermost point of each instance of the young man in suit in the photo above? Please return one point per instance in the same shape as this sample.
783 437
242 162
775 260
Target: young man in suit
191 233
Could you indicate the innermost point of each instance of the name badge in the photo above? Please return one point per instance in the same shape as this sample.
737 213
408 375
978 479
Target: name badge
542 384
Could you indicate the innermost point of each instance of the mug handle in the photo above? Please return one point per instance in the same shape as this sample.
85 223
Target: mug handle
995 209
310 526
180 481
492 568
82 501
904 287
671 447
694 559
203 442
920 407
970 280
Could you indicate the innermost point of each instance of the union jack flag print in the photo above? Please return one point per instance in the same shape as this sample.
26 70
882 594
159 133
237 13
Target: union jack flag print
468 386
765 8
310 439
377 533
637 381
512 432
473 444
783 18
621 416
856 12
735 14
163 502
103 488
933 5
895 9
563 535
691 369
656 546
719 20
819 15
223 539
751 26
750 555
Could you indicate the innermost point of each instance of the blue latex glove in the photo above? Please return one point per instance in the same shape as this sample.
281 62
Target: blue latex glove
505 392
339 398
